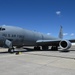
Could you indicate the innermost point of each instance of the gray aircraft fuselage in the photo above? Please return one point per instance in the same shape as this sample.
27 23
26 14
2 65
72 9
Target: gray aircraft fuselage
22 37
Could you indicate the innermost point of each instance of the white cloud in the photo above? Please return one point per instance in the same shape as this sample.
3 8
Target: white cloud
48 33
65 34
58 12
3 25
72 34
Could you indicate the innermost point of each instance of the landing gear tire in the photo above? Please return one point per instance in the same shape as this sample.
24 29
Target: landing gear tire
54 48
11 50
36 48
45 48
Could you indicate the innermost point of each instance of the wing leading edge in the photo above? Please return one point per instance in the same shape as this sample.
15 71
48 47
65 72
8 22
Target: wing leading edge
52 42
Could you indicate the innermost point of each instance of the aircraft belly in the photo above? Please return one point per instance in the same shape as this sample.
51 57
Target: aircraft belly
23 42
29 43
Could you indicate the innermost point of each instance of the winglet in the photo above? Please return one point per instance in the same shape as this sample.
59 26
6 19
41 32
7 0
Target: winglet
61 33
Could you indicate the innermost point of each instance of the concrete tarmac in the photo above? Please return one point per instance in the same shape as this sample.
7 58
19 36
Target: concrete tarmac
37 63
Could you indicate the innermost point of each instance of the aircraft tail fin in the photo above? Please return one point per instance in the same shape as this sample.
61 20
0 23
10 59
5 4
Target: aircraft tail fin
61 33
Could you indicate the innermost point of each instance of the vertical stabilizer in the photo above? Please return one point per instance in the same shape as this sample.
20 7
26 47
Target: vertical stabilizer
61 33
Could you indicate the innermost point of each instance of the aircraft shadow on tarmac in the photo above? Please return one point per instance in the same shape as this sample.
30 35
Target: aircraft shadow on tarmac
24 50
5 52
30 50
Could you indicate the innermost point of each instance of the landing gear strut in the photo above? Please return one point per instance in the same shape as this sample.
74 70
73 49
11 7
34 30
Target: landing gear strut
11 50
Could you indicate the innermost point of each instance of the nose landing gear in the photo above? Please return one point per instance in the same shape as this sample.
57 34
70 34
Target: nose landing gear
11 50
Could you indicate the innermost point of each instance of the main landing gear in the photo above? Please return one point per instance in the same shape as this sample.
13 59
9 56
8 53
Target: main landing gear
54 48
37 48
45 47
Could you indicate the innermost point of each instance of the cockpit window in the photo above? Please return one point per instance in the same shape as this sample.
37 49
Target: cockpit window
1 29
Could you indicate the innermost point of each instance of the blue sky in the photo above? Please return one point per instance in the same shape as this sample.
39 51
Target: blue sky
44 16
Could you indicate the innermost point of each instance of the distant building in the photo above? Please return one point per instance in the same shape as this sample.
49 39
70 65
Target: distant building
73 43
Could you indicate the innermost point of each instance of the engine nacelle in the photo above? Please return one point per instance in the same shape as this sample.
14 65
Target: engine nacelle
65 44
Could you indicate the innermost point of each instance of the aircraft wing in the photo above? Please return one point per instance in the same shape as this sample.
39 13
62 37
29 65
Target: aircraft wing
52 42
72 40
48 42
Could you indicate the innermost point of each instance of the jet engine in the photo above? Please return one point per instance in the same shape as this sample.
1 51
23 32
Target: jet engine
65 45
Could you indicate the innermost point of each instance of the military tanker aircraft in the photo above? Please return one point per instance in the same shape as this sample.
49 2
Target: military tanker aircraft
15 36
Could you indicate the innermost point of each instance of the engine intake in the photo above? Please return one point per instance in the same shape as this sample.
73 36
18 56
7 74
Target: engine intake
65 44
